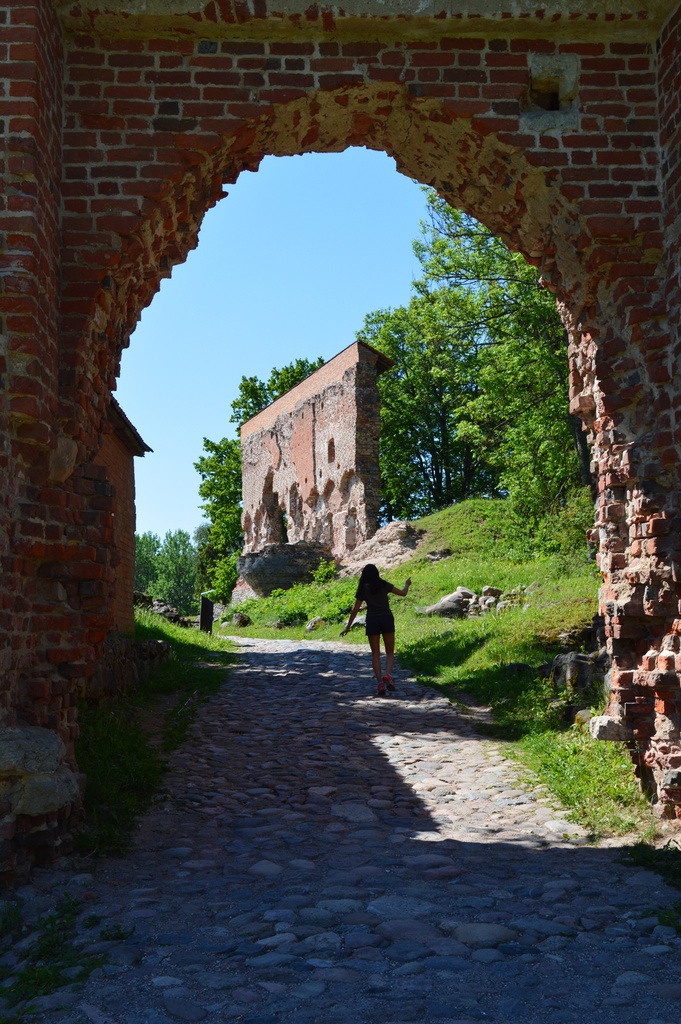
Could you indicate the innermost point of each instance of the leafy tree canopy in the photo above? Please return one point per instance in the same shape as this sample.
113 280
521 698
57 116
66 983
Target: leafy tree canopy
147 547
255 395
174 579
477 403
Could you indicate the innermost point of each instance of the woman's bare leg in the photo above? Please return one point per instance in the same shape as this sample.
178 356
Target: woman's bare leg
375 645
389 641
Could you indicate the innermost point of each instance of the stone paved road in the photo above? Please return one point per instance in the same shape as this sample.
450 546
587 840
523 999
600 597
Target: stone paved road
324 855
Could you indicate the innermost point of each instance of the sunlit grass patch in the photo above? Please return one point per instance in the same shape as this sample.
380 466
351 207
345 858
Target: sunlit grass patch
595 781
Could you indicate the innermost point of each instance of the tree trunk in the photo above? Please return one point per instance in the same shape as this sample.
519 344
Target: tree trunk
582 449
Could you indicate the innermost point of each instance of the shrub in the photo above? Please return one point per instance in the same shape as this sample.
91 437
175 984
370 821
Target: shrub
302 602
325 572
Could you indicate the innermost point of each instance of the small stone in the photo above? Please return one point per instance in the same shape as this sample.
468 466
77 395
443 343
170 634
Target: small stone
669 991
55 1001
399 907
315 623
270 960
408 928
483 935
340 906
353 812
632 978
542 925
266 868
487 956
309 990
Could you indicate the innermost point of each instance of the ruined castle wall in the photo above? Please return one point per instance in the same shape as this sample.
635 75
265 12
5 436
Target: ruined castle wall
652 688
556 128
312 456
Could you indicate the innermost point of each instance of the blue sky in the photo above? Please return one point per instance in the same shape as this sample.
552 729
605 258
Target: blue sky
287 266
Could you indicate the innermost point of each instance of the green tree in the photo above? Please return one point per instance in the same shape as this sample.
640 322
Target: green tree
147 547
255 395
175 580
425 461
222 539
519 415
478 401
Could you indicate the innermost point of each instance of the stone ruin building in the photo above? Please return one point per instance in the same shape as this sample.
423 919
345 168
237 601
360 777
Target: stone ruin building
310 470
558 126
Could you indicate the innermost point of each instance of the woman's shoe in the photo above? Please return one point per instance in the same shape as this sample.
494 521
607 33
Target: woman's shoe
388 681
381 689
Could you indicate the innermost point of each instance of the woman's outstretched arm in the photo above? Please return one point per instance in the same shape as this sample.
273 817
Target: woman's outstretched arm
355 608
404 591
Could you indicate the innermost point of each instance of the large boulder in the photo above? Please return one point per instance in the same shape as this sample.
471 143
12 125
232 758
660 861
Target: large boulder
280 566
603 727
452 606
576 672
392 544
29 751
33 778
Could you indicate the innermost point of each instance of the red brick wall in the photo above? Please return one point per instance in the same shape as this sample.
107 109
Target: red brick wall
119 463
30 168
114 157
286 465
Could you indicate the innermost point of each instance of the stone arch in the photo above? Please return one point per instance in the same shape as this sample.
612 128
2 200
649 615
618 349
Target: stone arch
469 164
136 120
273 512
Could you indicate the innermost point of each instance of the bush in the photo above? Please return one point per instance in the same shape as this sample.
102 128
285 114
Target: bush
325 571
302 602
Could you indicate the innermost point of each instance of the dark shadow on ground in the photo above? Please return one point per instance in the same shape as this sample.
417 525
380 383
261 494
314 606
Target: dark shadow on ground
292 855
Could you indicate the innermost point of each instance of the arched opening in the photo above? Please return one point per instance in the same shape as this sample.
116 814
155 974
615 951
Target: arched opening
133 152
474 170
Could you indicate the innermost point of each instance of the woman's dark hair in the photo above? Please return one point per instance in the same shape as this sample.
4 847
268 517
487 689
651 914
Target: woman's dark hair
369 580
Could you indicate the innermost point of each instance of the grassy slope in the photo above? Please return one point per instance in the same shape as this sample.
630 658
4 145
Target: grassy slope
470 656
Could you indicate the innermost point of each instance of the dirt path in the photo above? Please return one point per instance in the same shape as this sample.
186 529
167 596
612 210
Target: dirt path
320 854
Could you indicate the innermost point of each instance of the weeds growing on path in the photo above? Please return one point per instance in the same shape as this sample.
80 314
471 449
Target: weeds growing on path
51 961
122 746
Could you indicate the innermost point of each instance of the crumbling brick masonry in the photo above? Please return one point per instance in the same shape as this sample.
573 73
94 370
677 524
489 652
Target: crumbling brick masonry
558 126
310 460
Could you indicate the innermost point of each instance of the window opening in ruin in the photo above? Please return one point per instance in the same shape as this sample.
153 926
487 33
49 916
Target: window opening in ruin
332 450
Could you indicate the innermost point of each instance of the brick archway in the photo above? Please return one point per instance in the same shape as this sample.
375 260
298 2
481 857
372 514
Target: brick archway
557 132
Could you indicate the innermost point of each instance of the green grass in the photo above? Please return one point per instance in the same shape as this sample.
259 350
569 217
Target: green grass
52 962
595 781
468 659
122 746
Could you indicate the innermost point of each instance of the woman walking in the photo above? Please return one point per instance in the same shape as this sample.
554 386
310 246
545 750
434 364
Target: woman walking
373 591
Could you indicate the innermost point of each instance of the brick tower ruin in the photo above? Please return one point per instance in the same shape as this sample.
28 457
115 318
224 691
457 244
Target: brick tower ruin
557 126
310 460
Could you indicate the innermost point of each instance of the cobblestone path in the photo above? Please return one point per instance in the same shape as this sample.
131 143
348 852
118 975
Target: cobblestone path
320 854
